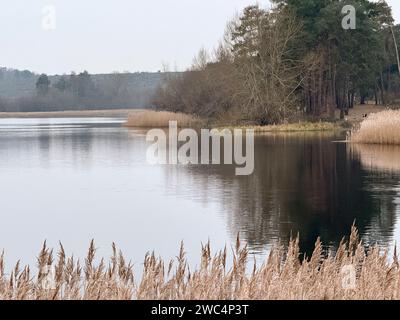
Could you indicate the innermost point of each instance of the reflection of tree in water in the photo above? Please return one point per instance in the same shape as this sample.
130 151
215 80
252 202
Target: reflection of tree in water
381 166
305 184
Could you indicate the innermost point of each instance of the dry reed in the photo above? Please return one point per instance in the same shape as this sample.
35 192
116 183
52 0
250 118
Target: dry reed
159 119
379 128
282 276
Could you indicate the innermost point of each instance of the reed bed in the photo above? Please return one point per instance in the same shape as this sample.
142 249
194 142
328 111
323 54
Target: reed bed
282 276
379 128
159 119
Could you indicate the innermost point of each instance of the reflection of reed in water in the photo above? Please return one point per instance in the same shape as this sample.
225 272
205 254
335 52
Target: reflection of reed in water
377 157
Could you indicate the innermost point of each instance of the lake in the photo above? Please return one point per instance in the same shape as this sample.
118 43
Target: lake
77 179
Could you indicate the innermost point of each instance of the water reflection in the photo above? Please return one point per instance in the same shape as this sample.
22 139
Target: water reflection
377 158
382 166
307 184
81 179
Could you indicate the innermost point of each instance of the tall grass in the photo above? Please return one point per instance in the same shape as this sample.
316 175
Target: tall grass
379 128
159 119
282 275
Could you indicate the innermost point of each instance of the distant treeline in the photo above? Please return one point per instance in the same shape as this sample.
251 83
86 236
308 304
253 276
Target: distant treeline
26 91
293 61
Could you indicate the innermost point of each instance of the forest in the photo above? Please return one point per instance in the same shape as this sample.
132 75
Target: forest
292 61
25 91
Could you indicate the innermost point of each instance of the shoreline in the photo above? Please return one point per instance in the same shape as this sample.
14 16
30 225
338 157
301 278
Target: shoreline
304 126
356 116
157 119
162 119
120 113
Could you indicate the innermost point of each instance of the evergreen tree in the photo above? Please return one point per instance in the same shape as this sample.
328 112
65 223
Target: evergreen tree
43 85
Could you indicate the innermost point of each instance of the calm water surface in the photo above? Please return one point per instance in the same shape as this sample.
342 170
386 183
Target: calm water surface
77 179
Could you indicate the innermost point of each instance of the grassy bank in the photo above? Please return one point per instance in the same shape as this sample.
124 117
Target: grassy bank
282 276
296 127
160 119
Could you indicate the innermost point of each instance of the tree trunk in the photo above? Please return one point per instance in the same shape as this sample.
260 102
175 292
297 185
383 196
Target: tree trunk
397 49
382 91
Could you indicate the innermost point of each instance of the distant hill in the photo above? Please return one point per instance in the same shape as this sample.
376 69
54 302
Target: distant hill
16 84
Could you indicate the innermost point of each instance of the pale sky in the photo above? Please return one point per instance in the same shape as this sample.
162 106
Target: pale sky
103 36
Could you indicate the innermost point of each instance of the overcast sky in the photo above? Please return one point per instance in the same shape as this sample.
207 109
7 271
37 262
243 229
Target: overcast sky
103 36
